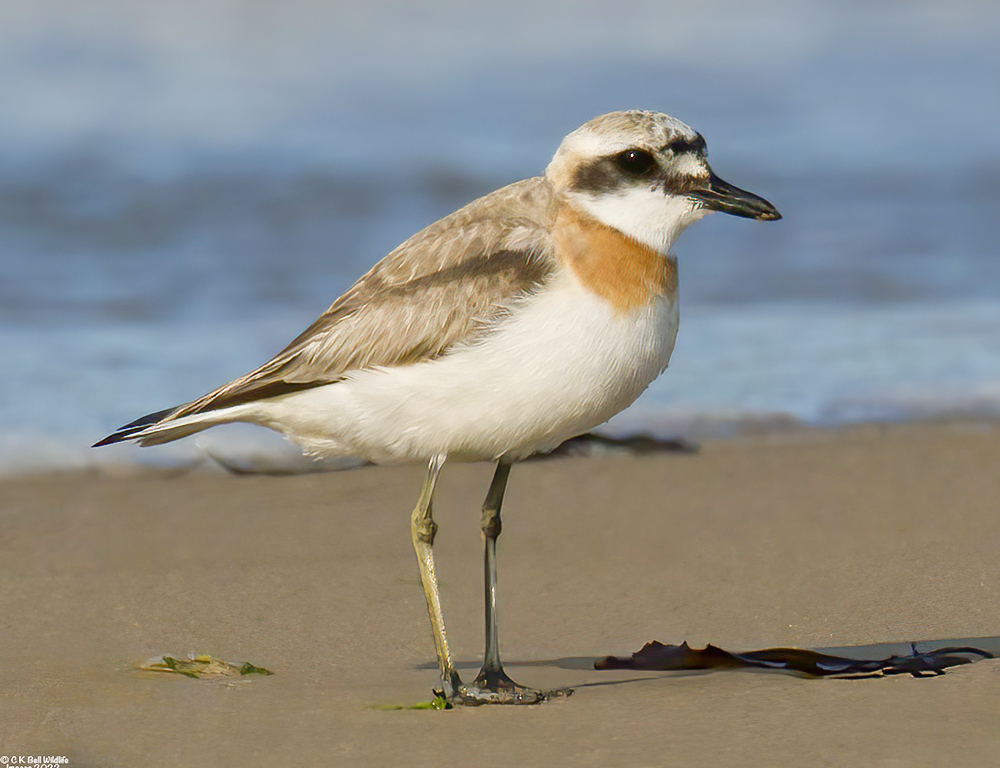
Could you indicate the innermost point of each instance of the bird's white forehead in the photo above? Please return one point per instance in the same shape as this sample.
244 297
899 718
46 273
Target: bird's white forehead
617 131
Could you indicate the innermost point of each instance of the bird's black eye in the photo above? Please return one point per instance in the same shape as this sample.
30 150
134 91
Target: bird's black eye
635 161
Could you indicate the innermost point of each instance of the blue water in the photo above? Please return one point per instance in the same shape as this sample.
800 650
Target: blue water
184 188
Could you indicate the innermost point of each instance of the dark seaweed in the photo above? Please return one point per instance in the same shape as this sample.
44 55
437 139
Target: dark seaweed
657 656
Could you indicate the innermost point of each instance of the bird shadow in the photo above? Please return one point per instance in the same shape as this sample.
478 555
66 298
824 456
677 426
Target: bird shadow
586 445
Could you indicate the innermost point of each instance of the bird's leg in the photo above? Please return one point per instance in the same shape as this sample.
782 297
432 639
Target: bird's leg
422 529
492 685
492 527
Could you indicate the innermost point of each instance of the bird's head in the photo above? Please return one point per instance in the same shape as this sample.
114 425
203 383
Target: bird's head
647 175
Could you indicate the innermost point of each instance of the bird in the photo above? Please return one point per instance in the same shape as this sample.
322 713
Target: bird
527 317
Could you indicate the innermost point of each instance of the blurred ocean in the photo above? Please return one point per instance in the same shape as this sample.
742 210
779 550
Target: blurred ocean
185 186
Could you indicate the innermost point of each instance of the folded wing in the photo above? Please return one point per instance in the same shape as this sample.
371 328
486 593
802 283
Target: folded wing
442 287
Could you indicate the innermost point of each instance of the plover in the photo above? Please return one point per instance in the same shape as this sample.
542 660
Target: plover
529 316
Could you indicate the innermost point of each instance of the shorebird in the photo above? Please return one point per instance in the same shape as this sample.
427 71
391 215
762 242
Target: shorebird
528 317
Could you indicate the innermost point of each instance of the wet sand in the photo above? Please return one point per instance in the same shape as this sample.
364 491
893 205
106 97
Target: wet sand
812 539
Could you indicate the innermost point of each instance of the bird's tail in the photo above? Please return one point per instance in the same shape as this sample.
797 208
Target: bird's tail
159 427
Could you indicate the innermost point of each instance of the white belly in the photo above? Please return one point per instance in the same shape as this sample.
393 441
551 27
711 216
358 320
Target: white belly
562 363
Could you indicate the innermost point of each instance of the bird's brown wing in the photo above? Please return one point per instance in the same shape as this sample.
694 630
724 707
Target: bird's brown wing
439 288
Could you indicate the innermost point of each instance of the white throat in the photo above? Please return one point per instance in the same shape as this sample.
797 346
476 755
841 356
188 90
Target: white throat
649 216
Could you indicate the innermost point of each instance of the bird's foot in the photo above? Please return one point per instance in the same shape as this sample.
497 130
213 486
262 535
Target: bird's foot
495 687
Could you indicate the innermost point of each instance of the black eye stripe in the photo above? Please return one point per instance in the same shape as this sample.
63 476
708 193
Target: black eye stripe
681 145
605 174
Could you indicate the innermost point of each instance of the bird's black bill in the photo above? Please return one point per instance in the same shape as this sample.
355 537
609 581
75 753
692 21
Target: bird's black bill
722 196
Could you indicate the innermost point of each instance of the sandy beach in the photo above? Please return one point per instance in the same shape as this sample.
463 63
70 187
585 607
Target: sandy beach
812 539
